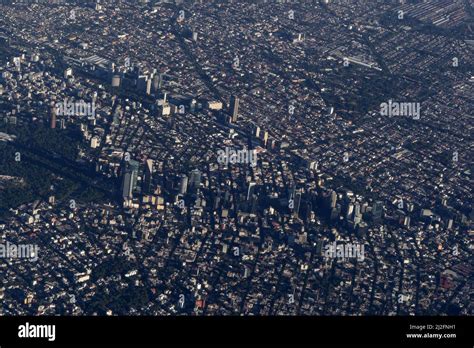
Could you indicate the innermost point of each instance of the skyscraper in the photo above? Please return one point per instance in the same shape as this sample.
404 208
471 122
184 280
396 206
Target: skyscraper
148 179
195 179
127 184
357 210
251 190
377 211
183 184
148 87
129 178
296 209
156 82
257 131
234 108
333 199
52 121
134 166
142 83
265 138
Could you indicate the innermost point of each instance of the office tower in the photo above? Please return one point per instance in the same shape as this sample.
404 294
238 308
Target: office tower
253 204
265 138
216 201
251 190
134 166
116 120
335 212
165 107
142 83
195 36
377 211
148 87
161 81
306 211
183 184
297 203
350 210
195 179
52 122
156 83
234 108
148 177
127 189
357 219
129 178
257 131
357 210
333 199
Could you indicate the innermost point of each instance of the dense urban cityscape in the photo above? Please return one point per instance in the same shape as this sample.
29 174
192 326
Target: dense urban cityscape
236 157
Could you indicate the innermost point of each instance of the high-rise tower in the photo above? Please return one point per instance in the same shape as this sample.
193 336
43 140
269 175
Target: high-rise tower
234 108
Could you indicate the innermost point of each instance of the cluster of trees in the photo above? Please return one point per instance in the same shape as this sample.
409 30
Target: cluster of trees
36 180
111 267
43 158
120 301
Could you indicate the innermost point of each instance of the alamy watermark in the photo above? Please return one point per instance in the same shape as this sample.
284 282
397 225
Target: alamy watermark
344 251
75 108
393 108
232 156
19 251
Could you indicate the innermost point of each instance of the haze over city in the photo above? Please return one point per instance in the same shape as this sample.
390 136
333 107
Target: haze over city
224 158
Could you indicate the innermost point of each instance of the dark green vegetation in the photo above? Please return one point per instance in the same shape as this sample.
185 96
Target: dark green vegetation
47 166
120 301
111 267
